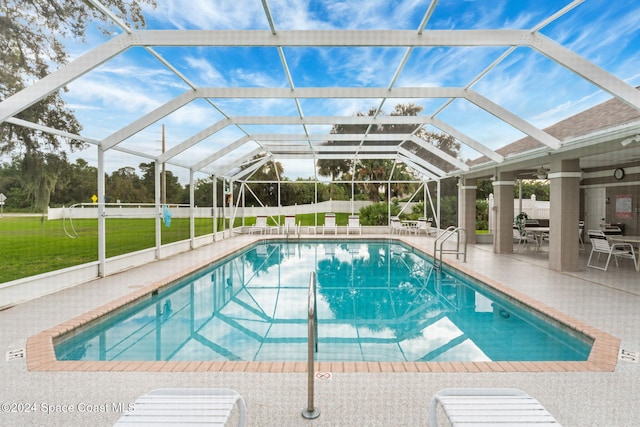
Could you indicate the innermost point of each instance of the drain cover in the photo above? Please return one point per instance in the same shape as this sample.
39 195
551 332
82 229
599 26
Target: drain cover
629 356
15 354
323 376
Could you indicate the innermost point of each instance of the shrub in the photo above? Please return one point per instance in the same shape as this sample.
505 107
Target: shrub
482 214
378 213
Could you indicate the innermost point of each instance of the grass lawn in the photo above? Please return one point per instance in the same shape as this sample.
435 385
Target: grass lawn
31 245
306 220
35 245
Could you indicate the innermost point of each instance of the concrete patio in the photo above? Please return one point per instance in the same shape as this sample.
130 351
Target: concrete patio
606 300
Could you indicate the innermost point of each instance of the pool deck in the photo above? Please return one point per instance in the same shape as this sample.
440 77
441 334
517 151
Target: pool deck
598 392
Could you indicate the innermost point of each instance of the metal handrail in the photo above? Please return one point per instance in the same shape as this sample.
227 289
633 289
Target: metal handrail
311 412
442 238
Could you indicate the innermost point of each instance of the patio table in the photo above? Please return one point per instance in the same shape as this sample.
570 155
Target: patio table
410 226
634 240
538 232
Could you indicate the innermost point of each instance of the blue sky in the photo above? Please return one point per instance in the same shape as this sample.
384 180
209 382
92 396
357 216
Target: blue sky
526 83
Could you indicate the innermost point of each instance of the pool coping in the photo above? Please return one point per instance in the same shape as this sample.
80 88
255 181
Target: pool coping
40 353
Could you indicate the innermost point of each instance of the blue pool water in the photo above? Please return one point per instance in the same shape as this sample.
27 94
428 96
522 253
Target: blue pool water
376 301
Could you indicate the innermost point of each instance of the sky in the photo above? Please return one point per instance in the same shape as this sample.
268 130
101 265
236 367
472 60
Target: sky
526 83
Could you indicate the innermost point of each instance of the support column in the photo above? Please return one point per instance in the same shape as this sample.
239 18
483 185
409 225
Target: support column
564 216
438 217
503 210
352 195
158 197
192 211
467 217
214 191
102 241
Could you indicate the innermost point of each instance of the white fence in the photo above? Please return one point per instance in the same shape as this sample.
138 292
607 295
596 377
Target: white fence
535 209
132 211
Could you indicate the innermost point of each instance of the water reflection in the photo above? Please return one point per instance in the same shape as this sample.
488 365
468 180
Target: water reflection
376 301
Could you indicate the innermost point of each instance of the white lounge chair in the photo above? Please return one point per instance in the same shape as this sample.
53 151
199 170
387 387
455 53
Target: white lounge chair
489 407
330 223
600 245
354 224
208 406
290 225
260 226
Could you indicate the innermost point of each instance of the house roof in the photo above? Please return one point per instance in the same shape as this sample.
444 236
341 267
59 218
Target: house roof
606 115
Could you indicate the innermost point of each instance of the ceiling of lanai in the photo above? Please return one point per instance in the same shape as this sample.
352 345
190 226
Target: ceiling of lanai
233 79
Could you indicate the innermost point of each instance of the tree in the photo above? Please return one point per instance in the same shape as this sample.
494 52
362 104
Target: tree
267 192
203 192
125 186
174 191
79 183
377 172
10 186
530 187
42 174
31 43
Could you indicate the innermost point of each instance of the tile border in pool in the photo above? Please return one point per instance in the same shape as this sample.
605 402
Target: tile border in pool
40 352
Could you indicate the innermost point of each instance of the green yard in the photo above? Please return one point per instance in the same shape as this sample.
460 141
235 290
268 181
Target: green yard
31 245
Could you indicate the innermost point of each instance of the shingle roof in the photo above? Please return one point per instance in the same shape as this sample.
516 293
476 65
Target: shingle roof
606 115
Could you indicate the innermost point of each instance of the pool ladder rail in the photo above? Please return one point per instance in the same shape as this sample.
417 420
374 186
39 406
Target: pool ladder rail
311 411
287 229
444 237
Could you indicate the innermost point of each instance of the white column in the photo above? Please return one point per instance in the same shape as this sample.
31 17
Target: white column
438 198
564 247
215 206
503 206
158 194
192 211
102 243
467 213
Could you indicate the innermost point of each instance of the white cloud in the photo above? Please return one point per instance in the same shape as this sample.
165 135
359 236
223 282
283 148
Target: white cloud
194 114
207 73
205 14
115 96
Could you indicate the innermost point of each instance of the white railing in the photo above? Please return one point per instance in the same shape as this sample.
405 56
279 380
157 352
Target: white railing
311 411
442 238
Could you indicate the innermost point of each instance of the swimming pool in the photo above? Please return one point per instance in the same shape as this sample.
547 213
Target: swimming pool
377 301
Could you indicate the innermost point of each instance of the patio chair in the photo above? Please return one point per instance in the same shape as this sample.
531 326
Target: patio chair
396 225
489 407
525 237
611 229
330 223
600 245
208 406
260 226
354 224
290 225
580 233
424 224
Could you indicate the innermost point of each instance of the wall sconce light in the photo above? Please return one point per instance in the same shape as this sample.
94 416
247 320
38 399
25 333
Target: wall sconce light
629 140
